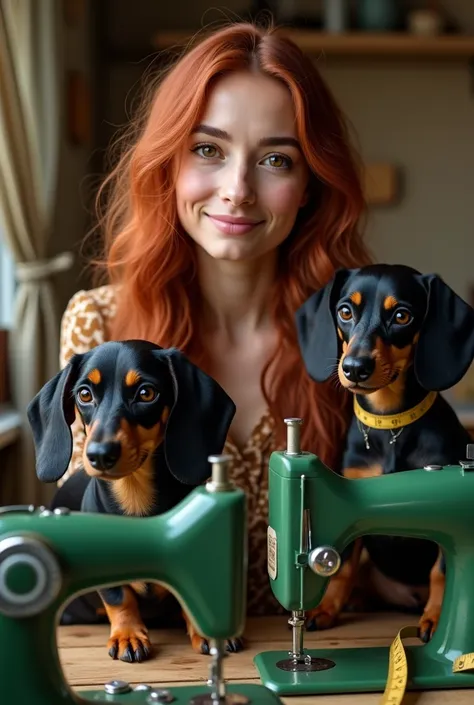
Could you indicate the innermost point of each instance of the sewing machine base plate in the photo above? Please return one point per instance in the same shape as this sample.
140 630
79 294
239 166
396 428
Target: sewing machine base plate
360 670
245 694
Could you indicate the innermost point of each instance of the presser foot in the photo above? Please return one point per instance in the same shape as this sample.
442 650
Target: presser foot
304 664
299 660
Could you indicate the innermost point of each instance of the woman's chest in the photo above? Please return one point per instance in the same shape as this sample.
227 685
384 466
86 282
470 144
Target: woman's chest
239 372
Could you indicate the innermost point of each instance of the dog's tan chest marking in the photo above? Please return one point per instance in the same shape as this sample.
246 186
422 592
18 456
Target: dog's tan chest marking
135 493
361 473
158 590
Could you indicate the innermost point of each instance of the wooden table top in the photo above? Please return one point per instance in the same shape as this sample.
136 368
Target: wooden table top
86 664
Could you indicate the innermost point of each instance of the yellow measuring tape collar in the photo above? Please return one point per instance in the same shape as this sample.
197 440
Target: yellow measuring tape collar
394 420
398 669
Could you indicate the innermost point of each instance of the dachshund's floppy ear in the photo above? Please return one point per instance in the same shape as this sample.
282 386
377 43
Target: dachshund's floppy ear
199 420
316 328
50 415
445 348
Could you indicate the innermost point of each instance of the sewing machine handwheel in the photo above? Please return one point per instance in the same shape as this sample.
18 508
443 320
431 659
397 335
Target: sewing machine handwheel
30 576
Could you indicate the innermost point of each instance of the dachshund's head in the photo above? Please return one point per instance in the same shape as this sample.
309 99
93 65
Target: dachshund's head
130 397
369 325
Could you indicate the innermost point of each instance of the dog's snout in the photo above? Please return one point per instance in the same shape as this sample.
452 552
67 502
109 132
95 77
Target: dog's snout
358 369
103 456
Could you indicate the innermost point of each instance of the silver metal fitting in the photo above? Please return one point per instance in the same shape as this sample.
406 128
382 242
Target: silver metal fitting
30 508
160 696
325 561
293 444
117 687
45 576
220 481
432 467
468 464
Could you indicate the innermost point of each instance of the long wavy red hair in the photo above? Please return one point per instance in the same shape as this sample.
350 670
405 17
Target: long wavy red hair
152 260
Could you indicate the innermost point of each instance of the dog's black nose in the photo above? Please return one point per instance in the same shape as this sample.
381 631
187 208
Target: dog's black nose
358 369
103 456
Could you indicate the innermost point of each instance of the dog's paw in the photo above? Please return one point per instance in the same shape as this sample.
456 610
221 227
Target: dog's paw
201 645
235 645
130 644
324 616
429 622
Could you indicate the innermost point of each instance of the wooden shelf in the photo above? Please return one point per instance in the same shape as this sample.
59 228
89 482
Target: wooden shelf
358 44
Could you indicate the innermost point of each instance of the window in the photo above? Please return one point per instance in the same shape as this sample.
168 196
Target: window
7 285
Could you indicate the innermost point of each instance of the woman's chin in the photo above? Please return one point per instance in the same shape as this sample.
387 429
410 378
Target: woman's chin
230 251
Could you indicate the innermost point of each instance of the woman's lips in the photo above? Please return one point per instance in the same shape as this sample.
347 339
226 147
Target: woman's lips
233 226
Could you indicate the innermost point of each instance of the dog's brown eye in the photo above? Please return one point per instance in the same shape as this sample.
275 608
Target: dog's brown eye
345 313
147 393
402 317
84 395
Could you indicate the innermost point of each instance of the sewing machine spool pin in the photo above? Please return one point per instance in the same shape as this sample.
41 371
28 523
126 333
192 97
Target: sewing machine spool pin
293 431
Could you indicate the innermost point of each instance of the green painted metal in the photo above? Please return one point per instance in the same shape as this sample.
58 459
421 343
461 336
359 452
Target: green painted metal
431 504
198 549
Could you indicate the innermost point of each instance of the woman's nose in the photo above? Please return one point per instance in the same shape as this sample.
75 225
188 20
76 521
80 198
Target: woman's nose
237 187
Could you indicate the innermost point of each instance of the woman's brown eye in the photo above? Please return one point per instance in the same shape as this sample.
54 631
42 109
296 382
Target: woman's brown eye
345 313
147 393
277 161
84 395
207 150
402 317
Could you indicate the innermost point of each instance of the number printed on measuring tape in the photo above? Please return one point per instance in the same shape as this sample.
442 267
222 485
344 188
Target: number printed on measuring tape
397 668
465 662
272 553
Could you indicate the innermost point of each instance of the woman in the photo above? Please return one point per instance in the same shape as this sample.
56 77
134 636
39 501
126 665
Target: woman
238 196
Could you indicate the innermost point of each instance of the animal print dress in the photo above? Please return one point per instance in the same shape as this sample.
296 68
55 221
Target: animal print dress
85 324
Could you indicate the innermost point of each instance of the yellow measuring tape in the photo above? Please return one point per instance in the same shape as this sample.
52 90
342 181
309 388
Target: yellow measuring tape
398 668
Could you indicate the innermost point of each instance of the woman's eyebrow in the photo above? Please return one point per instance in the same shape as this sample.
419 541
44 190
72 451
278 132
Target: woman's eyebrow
265 142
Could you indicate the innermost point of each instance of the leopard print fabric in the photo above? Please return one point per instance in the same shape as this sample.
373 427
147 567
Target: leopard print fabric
85 324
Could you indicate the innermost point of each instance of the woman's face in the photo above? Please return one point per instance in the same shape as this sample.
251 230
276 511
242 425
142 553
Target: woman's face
242 177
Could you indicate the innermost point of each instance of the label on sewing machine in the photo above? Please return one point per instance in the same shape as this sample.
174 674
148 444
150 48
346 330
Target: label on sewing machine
272 553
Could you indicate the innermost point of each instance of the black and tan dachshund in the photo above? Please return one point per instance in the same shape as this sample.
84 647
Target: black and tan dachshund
394 338
151 419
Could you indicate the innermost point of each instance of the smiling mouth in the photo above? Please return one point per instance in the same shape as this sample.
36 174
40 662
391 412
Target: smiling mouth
232 225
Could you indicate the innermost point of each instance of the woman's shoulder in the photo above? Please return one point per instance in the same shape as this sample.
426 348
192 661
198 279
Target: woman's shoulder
102 300
85 321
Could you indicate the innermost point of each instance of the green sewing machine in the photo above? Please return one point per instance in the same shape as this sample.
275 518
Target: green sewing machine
314 514
198 549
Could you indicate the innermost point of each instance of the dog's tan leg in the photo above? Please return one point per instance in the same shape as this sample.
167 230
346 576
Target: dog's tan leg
201 645
337 594
432 612
128 635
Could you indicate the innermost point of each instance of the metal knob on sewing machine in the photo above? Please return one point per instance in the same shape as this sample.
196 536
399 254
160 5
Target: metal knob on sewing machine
314 514
199 548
